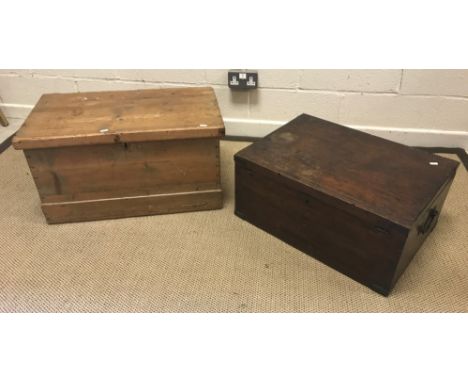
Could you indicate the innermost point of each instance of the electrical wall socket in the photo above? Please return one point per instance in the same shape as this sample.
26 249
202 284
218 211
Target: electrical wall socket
243 79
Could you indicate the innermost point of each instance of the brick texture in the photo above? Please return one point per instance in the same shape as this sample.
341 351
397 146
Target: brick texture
351 80
285 105
102 85
27 90
405 111
435 82
420 99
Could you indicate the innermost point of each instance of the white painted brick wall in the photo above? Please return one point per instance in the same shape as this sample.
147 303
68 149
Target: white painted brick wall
94 85
27 89
284 105
435 82
351 80
232 104
428 100
389 110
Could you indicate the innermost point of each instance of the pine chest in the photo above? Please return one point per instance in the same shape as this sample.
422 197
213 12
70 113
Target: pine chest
105 155
358 203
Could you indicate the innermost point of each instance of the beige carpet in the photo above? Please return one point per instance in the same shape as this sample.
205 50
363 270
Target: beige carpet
202 262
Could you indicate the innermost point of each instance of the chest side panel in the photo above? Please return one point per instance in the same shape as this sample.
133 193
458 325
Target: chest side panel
132 206
421 229
128 169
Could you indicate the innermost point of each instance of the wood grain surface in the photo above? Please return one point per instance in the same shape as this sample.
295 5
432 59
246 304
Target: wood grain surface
358 203
388 179
106 181
77 173
119 154
125 116
132 206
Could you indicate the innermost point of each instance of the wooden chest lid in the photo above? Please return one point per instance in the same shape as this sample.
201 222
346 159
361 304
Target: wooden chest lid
121 116
388 179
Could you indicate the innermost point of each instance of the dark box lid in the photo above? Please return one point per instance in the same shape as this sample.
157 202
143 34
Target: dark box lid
388 179
77 119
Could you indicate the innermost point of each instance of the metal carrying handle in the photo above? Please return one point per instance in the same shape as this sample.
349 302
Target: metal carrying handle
430 222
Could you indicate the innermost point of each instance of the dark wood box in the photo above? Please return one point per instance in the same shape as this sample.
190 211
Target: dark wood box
358 203
108 155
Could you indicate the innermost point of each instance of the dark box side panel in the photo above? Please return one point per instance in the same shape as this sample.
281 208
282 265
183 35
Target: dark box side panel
359 248
416 238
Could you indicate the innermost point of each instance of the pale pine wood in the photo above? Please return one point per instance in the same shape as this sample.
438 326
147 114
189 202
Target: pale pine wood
127 116
67 174
122 180
132 206
119 154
